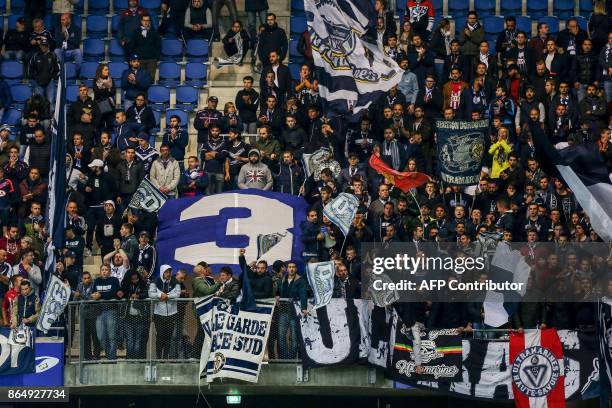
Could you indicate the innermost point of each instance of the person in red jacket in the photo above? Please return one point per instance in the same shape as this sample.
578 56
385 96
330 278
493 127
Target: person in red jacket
421 14
10 295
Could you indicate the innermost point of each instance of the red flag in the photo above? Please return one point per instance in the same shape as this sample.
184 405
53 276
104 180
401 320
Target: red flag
402 180
537 372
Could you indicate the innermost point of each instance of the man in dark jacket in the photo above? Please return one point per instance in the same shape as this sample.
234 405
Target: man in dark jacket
68 37
44 70
84 104
273 38
146 43
311 236
134 81
292 287
259 278
290 176
99 190
345 286
282 78
16 41
247 101
130 174
40 152
129 22
570 39
206 118
107 228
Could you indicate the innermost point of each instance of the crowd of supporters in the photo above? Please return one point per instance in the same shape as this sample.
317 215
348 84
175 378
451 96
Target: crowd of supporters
559 87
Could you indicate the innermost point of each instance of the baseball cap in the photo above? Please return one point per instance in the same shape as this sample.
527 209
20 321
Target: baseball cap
111 202
69 254
96 163
144 233
134 57
213 98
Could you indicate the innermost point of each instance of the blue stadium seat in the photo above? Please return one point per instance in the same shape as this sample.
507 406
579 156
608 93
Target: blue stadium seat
180 113
553 24
11 71
171 50
116 70
460 24
17 6
197 50
195 74
12 20
510 7
99 7
438 6
186 98
298 25
294 55
537 8
88 72
79 7
12 117
153 6
523 23
115 25
115 51
71 72
93 49
72 93
458 8
485 8
400 9
493 25
157 116
120 5
563 8
20 94
294 69
2 6
159 97
586 7
97 26
582 22
169 74
492 47
298 5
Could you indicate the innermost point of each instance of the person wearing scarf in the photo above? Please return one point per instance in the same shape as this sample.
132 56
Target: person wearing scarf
32 189
393 152
163 290
470 37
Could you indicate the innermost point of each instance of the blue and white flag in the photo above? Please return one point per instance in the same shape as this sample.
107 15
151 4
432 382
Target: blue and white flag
147 197
57 296
507 265
352 71
321 278
461 150
234 340
214 228
341 211
14 359
56 203
312 161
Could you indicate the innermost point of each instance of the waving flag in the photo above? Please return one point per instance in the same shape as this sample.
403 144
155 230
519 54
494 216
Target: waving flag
402 180
321 278
585 173
352 71
56 204
147 197
341 211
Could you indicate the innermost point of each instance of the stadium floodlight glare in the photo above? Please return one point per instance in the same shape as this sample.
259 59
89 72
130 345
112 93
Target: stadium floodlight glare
233 399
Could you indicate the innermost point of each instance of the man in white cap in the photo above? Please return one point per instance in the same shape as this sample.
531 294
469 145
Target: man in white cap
99 188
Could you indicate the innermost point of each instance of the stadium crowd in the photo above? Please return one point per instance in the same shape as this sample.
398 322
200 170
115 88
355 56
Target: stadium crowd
559 86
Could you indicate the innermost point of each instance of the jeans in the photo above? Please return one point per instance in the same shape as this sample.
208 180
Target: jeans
215 183
13 55
249 127
136 327
608 90
252 24
48 92
216 10
75 55
106 326
286 322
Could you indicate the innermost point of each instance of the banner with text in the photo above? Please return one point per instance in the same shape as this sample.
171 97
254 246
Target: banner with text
461 150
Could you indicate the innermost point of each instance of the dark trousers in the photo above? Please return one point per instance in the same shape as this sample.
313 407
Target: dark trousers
165 326
91 345
216 11
94 214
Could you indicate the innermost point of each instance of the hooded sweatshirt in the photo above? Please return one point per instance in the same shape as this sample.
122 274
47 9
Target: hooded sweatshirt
256 175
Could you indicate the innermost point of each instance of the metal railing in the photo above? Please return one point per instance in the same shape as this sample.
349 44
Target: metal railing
152 330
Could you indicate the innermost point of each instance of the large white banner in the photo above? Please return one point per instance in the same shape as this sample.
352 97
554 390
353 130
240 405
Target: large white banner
234 340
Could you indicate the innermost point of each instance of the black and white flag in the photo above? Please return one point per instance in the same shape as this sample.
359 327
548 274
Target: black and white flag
353 72
147 197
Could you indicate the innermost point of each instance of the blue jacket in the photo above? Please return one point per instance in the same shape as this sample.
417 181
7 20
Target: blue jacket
295 290
289 178
309 239
409 86
178 144
74 37
201 182
143 82
122 133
